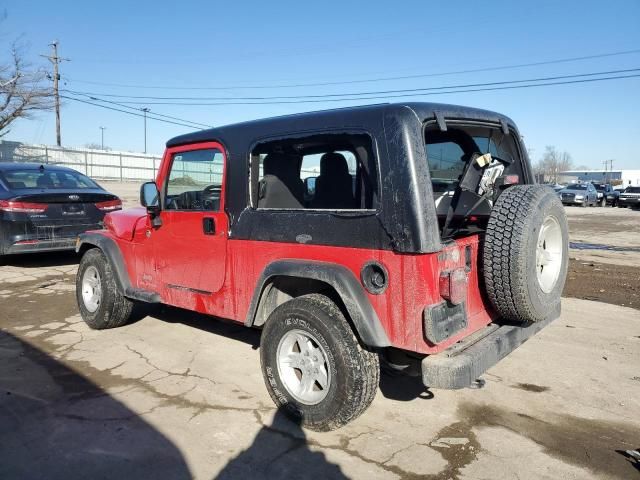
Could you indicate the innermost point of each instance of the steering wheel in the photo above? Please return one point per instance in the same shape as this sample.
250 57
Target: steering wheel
209 196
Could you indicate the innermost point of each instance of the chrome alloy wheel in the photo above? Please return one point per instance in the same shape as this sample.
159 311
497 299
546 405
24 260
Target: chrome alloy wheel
91 289
303 367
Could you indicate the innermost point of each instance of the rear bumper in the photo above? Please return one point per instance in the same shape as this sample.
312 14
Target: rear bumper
22 236
41 246
461 364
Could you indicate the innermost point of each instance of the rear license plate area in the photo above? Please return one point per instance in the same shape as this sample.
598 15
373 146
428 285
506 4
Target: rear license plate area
73 209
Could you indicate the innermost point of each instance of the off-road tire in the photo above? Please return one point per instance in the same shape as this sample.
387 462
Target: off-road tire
509 255
355 371
114 309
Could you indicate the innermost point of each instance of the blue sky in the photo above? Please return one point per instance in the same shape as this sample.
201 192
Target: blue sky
240 44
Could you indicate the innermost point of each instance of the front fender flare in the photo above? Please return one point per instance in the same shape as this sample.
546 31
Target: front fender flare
111 250
364 317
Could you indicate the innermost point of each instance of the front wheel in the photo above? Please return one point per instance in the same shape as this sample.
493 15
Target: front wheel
313 365
99 301
603 202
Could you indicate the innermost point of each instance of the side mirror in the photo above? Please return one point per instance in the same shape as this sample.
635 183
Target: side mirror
150 197
310 186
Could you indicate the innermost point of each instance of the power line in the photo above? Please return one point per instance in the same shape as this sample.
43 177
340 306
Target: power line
124 111
379 79
90 97
354 94
403 95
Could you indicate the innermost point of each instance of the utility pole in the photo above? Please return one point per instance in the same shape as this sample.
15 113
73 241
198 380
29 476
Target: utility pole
55 60
145 110
102 129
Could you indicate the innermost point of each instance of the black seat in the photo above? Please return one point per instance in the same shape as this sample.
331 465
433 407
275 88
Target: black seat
44 181
334 186
280 186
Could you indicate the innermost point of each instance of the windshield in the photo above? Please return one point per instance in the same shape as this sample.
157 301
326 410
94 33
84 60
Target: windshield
577 187
632 190
46 179
600 188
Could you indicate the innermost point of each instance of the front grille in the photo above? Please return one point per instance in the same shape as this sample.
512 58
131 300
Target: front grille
568 196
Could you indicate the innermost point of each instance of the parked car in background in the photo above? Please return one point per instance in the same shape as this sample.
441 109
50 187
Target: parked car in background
45 207
630 198
607 195
581 194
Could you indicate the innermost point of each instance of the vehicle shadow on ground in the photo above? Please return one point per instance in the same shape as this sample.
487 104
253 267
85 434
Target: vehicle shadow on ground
401 387
41 260
57 424
206 323
280 450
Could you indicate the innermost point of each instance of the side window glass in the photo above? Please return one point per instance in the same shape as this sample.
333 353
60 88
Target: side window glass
195 180
318 172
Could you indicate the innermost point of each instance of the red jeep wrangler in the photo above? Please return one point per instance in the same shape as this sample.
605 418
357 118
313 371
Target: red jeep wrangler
411 232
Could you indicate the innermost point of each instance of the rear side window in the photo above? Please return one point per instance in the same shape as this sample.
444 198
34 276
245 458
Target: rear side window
316 172
46 179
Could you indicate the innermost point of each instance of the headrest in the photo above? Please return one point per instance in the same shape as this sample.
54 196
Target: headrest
333 164
279 164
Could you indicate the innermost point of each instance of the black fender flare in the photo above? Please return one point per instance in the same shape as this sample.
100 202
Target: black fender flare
344 282
111 250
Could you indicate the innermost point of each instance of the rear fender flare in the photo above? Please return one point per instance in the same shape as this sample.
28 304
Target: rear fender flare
342 280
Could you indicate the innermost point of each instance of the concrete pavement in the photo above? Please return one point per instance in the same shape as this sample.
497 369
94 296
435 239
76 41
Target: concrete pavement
178 395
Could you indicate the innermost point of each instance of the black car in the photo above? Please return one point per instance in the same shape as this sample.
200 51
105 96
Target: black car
607 195
45 207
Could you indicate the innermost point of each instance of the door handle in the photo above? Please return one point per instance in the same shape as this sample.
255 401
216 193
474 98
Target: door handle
209 225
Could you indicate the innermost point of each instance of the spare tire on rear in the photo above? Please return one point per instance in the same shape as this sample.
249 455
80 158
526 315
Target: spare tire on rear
526 252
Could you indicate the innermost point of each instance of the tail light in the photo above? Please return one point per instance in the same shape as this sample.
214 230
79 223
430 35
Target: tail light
109 205
22 207
453 285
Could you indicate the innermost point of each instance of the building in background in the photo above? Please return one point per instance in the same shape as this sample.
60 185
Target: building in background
622 178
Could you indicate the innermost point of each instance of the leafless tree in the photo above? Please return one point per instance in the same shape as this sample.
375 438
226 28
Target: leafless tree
24 90
552 163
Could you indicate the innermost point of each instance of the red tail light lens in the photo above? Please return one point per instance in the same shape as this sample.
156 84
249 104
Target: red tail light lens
453 285
22 207
109 205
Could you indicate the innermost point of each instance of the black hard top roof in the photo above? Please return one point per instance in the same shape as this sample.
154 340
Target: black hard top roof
6 166
339 117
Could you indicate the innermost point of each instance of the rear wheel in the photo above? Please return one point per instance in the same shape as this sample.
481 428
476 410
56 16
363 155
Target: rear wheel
525 254
313 365
99 301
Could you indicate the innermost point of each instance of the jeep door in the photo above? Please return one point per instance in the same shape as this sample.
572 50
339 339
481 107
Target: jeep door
190 244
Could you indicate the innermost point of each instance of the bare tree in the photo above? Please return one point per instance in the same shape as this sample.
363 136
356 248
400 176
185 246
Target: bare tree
23 90
552 163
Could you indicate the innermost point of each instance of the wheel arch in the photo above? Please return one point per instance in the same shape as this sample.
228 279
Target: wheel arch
283 280
110 249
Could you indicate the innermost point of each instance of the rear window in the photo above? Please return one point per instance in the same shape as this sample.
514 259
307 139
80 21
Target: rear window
45 179
448 152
